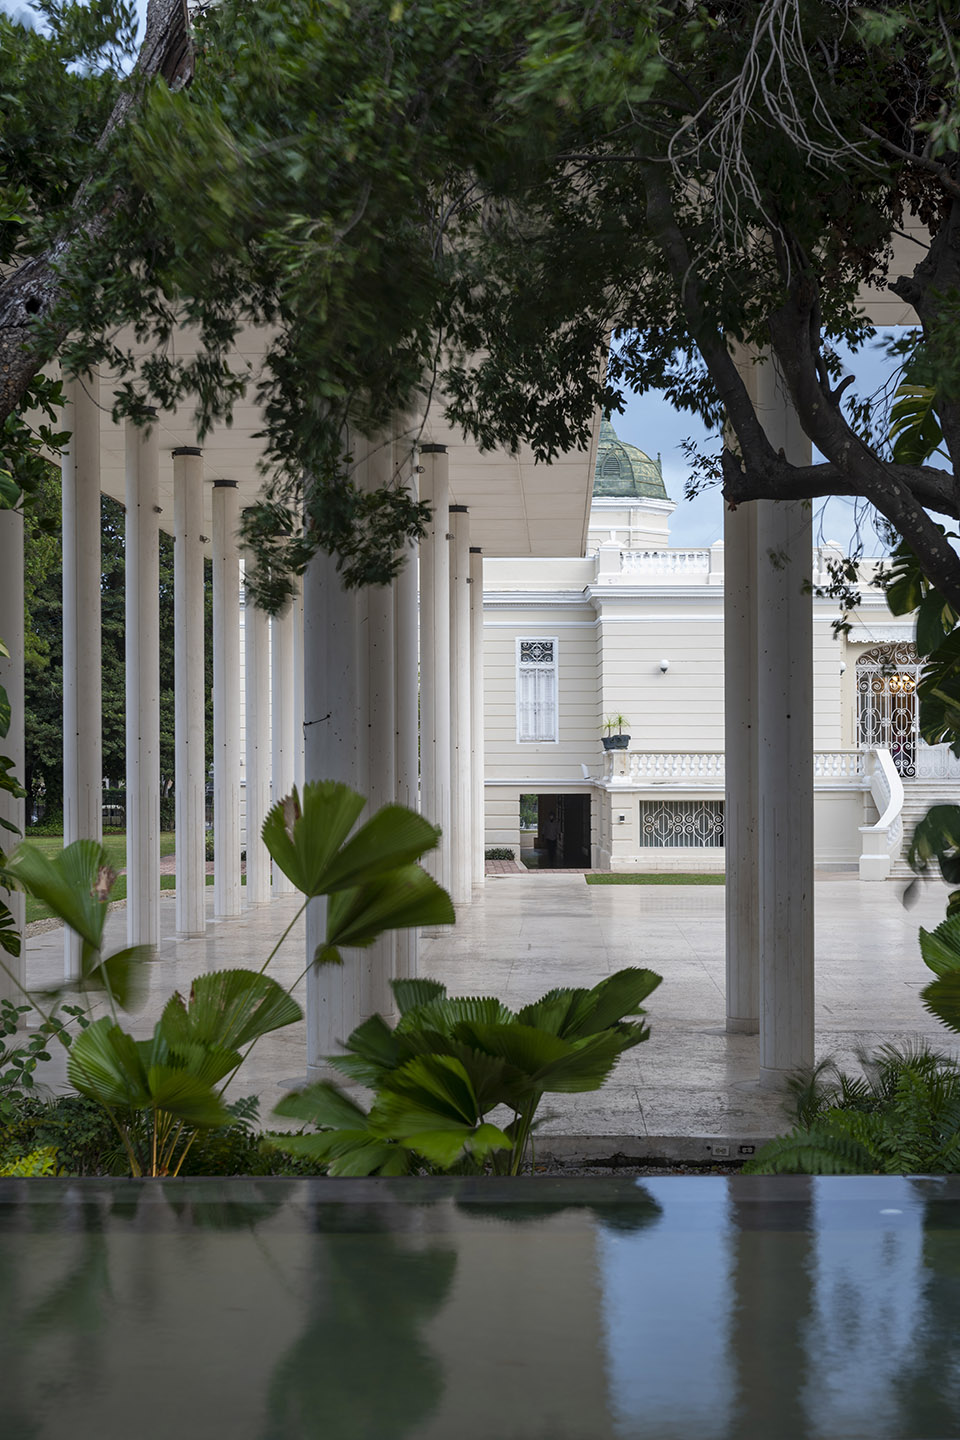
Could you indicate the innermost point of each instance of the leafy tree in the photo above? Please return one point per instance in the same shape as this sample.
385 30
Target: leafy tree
417 196
63 100
417 199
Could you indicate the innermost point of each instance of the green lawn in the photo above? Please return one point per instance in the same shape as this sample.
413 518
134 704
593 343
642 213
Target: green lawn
116 848
36 910
664 879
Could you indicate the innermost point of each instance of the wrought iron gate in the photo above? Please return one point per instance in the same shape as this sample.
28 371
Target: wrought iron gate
887 712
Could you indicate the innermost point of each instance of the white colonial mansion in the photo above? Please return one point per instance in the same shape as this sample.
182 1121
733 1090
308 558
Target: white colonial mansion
635 629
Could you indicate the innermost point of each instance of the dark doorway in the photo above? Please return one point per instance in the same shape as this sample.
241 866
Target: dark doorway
563 831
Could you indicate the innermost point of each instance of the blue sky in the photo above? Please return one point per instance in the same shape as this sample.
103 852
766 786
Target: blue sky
650 422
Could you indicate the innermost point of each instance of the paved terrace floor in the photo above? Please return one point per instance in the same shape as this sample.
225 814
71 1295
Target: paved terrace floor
527 934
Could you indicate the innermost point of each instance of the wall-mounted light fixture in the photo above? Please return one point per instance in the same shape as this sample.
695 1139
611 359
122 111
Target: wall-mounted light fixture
843 667
664 666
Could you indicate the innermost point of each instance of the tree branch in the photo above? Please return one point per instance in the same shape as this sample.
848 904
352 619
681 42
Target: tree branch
711 344
923 162
932 488
795 335
936 278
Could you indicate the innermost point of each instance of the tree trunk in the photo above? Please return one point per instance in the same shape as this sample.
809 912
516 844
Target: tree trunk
31 291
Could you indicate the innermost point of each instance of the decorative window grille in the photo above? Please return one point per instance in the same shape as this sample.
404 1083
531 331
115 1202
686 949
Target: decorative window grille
681 824
611 465
887 714
536 690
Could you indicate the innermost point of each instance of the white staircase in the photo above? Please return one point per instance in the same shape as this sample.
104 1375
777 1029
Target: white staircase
918 796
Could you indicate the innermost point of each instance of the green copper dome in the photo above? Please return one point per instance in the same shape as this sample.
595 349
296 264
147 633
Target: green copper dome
623 470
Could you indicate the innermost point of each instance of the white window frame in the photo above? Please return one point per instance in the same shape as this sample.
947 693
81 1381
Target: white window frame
542 668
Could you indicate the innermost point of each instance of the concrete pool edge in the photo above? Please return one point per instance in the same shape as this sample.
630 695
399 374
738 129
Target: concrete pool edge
618 1151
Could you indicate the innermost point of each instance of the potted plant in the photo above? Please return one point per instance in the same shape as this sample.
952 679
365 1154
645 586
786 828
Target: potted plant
618 741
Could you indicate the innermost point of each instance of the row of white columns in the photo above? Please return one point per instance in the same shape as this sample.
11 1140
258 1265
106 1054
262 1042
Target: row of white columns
269 777
360 699
361 723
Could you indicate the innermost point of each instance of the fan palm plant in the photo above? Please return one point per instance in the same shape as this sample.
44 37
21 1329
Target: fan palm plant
159 1092
458 1081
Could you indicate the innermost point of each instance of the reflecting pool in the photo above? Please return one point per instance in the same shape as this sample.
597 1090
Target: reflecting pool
545 1309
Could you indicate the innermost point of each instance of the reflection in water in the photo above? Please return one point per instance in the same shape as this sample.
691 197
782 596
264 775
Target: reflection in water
664 1313
866 1307
789 1308
360 1370
768 1319
63 1299
927 1382
824 1309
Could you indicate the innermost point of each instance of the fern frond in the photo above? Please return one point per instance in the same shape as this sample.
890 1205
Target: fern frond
818 1150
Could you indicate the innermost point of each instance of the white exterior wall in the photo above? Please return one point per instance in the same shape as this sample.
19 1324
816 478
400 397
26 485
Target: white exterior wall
574 629
616 615
681 709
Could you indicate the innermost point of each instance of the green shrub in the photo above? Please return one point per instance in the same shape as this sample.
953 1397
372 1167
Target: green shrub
51 824
77 1131
498 852
38 1162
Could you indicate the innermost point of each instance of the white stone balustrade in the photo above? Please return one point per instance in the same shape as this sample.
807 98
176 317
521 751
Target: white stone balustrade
936 762
703 566
704 769
685 563
838 765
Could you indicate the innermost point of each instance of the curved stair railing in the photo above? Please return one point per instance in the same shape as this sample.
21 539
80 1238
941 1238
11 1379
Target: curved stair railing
880 843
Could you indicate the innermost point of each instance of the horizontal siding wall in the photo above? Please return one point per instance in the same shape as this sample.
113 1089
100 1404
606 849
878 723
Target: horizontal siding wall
610 650
681 709
575 634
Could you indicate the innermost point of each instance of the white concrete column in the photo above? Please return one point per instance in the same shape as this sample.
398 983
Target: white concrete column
189 691
335 743
461 711
11 745
282 721
299 756
477 769
256 641
741 822
142 662
82 711
435 800
407 710
378 962
785 756
226 701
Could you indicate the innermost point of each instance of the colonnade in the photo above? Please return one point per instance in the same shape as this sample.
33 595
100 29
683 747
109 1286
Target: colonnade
82 667
382 688
379 687
361 700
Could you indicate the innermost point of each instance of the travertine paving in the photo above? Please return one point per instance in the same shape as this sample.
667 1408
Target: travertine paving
524 935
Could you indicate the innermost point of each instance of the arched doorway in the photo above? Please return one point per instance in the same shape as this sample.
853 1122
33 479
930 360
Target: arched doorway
887 713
